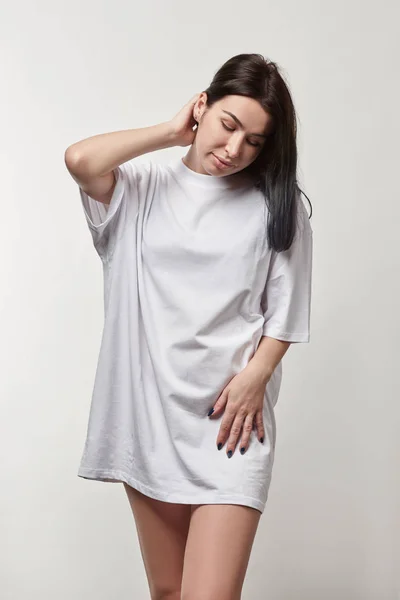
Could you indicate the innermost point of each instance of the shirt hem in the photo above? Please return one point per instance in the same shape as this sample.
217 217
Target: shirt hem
116 476
286 336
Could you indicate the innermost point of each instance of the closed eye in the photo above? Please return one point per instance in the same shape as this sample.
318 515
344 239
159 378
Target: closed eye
229 129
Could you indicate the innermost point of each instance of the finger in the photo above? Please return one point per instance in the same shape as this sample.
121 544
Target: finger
225 428
219 405
234 434
260 426
246 432
193 99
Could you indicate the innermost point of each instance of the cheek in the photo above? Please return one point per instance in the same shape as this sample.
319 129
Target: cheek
211 136
255 153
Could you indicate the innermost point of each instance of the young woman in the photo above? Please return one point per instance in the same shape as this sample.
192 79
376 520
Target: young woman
207 281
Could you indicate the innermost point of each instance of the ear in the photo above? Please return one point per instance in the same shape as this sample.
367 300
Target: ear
200 107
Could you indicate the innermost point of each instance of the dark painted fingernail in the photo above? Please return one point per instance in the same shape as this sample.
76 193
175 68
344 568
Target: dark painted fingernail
230 453
261 439
220 446
242 450
210 412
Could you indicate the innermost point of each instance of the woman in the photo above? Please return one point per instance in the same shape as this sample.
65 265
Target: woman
207 281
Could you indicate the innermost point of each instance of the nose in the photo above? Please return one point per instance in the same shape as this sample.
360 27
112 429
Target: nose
233 146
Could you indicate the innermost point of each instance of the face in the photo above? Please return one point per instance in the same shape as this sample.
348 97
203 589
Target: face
233 130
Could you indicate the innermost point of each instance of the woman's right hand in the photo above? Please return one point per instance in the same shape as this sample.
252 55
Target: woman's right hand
183 122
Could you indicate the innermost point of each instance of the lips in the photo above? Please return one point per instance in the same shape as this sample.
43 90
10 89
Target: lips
223 161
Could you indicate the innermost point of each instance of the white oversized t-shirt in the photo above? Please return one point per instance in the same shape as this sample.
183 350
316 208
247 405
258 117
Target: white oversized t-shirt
190 286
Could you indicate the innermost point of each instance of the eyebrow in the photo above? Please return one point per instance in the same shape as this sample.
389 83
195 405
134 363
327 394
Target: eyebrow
234 117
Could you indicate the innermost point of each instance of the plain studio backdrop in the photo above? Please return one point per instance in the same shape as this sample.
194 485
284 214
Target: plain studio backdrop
71 70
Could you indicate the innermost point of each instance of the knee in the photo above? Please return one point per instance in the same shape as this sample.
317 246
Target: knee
165 594
209 594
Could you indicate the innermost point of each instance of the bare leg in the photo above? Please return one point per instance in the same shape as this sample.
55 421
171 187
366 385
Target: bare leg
217 552
162 529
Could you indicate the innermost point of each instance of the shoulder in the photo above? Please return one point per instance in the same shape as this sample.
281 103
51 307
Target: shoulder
146 170
139 168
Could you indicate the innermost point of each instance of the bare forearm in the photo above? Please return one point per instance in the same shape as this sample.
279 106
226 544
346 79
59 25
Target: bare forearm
102 153
269 353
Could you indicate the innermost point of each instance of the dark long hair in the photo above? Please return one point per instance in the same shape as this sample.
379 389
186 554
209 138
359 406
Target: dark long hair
275 168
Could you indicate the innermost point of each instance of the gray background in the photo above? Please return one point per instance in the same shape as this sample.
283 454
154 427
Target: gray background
70 70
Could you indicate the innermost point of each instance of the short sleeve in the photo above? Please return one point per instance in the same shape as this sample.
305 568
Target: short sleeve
108 222
286 301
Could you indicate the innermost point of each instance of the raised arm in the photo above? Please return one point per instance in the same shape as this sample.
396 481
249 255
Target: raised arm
91 161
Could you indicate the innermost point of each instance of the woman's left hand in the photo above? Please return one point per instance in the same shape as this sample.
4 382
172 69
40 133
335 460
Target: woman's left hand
243 398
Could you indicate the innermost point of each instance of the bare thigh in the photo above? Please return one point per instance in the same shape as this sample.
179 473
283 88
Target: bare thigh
162 529
218 549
